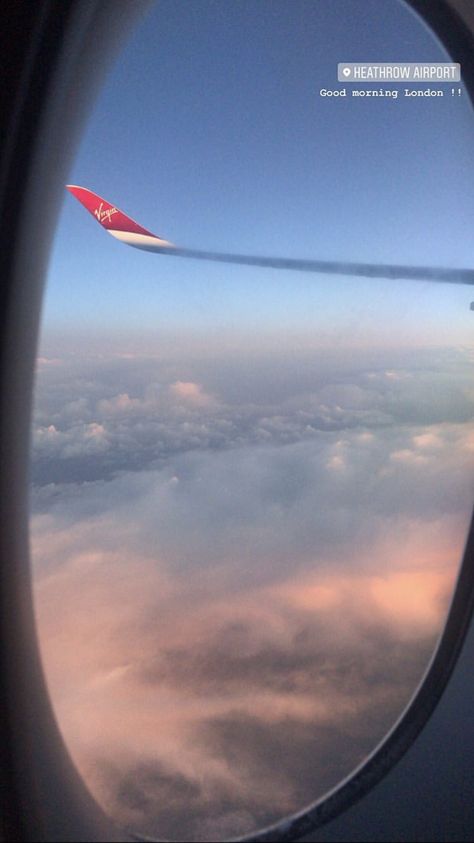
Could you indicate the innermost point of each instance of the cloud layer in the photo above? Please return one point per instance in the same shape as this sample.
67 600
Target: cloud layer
241 569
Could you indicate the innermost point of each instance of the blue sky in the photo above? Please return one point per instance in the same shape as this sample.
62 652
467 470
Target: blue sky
211 132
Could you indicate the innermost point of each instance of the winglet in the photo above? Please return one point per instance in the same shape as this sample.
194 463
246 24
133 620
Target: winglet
117 223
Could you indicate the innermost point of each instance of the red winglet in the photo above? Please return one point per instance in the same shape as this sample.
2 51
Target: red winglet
109 216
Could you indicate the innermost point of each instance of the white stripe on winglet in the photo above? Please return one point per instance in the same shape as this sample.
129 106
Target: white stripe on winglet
140 241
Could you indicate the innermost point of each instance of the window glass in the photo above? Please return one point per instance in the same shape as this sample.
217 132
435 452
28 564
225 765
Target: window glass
251 487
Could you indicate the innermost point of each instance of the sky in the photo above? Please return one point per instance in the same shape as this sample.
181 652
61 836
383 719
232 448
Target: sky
211 132
251 488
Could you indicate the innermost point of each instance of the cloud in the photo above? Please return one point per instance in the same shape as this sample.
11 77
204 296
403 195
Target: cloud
48 361
430 439
189 391
79 441
149 415
118 405
244 705
237 590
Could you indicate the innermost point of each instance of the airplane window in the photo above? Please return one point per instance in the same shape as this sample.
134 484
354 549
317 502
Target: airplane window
251 485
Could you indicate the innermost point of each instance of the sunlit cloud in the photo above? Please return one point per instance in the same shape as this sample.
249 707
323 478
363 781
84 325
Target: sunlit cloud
237 598
189 391
143 666
48 361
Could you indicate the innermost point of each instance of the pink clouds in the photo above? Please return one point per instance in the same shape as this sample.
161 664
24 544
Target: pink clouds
236 596
142 663
189 391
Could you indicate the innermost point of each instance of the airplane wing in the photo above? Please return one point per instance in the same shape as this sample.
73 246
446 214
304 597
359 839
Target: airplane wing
124 228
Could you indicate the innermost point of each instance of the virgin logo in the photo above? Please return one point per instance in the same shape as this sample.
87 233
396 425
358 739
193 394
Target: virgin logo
104 214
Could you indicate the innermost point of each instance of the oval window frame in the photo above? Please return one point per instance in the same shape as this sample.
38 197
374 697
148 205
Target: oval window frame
64 36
